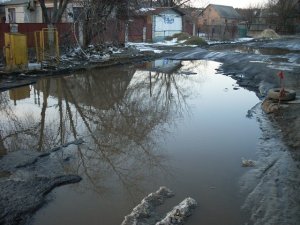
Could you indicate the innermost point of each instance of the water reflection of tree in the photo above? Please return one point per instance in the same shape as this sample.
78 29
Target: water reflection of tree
115 114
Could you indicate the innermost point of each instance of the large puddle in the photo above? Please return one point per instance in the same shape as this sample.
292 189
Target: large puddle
165 123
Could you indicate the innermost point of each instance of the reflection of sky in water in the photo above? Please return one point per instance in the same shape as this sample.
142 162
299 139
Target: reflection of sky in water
197 128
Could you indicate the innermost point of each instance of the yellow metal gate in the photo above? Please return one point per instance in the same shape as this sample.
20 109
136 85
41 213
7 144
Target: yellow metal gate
16 52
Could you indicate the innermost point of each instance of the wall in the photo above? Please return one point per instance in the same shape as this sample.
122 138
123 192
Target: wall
65 31
209 16
19 13
135 29
23 15
166 24
189 26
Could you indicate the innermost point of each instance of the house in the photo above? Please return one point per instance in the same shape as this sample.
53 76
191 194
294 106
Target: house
29 11
219 21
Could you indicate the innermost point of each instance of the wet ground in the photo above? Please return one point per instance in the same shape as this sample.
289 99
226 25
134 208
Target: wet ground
274 185
128 130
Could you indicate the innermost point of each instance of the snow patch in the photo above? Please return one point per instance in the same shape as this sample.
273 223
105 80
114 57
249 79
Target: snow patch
146 9
143 213
179 213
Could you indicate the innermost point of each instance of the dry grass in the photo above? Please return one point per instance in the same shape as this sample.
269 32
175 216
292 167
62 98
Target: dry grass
269 33
195 41
181 36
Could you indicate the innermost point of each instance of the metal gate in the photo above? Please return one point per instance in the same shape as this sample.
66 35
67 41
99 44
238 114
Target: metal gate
46 44
16 54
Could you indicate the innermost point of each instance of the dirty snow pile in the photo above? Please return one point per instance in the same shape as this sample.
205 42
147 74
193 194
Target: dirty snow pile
91 53
269 33
238 40
145 214
142 213
146 9
144 47
179 212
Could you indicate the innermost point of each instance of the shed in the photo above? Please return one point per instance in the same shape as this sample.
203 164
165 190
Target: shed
163 22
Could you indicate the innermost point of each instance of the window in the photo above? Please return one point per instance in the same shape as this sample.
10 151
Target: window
11 15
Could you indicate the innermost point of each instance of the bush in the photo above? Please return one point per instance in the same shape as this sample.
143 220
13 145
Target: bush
195 41
181 36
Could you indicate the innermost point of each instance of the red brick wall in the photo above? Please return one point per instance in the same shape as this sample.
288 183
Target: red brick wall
135 29
4 28
188 27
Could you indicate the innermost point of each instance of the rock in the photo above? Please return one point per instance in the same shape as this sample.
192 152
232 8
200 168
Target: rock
269 106
247 163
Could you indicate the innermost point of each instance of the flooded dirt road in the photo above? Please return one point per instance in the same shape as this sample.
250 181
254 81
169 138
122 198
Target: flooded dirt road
273 186
169 123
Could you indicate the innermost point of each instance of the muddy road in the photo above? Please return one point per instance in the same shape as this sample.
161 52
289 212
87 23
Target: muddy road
115 135
273 186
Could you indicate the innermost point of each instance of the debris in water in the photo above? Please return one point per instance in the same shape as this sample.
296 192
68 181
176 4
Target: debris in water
247 163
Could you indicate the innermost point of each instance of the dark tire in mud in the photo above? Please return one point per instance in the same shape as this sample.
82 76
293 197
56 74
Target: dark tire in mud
288 95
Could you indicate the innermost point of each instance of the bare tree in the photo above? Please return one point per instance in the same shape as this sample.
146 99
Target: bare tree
96 13
281 14
250 14
172 3
59 8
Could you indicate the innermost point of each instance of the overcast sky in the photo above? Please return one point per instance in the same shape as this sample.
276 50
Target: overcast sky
234 3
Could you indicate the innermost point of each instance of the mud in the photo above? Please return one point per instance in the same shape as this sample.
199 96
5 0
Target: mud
272 186
20 199
26 179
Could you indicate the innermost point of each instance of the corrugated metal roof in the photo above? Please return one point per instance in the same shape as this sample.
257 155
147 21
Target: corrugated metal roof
226 11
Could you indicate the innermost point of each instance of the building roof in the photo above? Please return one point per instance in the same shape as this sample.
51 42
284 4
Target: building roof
156 11
226 11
